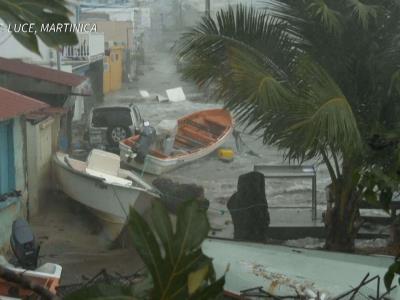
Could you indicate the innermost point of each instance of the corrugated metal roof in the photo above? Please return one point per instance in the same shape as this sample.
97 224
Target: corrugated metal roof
13 104
18 67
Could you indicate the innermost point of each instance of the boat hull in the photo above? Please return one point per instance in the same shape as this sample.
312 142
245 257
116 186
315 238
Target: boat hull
279 270
159 165
111 203
47 275
156 166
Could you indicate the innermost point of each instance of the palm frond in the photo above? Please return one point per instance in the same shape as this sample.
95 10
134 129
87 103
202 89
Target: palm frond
319 118
240 27
363 12
253 91
395 83
38 12
327 16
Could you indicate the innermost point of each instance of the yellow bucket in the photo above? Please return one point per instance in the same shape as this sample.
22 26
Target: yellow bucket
226 154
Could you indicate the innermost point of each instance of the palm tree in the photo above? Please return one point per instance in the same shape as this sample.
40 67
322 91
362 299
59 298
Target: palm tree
319 79
38 13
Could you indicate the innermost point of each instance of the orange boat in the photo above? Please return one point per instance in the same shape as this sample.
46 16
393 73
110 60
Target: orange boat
195 136
47 275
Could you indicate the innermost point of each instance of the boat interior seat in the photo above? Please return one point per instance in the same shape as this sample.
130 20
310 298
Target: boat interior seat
201 136
215 124
213 120
104 162
105 165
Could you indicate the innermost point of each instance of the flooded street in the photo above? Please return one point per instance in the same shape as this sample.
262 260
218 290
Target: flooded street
218 178
72 237
98 125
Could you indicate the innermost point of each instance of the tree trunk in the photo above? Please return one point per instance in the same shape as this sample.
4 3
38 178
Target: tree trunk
343 219
341 232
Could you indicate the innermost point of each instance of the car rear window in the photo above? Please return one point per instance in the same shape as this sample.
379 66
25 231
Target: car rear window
107 117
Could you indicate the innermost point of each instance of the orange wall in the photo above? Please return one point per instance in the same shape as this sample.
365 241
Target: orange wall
112 77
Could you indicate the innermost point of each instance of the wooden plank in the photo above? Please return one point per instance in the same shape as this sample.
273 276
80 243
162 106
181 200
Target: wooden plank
202 127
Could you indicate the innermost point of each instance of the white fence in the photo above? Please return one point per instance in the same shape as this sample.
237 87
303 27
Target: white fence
89 48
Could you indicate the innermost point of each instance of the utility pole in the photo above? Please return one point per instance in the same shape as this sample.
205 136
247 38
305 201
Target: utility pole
58 59
207 8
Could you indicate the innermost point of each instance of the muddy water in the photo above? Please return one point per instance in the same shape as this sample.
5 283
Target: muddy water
218 178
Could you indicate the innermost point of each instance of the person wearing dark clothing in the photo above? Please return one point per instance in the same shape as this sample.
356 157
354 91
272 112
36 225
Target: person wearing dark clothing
146 139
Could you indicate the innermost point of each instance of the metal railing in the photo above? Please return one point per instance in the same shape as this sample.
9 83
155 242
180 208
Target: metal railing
89 48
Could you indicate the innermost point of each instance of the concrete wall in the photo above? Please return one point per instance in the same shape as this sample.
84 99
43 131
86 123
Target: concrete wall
40 144
20 159
9 211
14 207
120 32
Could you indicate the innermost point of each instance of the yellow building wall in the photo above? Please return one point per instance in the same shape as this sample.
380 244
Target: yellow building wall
106 75
116 68
113 68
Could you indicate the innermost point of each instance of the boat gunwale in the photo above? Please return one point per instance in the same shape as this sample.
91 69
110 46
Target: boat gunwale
38 274
95 178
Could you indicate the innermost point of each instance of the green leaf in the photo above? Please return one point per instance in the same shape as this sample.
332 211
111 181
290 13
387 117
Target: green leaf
184 272
213 291
391 272
371 197
146 244
196 279
192 227
181 270
163 227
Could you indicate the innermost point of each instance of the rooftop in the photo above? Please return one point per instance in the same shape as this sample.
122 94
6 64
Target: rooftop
18 67
13 104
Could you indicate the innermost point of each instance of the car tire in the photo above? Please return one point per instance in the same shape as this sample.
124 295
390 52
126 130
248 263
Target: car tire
117 133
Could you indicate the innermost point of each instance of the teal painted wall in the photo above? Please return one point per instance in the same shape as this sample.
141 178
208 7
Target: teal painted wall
12 208
7 166
19 156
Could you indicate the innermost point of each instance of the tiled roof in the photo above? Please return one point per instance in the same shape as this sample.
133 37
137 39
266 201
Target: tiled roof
13 104
18 67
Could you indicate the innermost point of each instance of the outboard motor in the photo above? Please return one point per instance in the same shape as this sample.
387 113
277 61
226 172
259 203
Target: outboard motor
146 139
23 244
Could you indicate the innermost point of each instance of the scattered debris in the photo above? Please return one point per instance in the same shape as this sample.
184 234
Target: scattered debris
173 193
144 94
176 94
161 98
226 154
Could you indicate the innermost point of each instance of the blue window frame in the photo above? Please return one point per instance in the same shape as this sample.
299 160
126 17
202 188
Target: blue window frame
7 165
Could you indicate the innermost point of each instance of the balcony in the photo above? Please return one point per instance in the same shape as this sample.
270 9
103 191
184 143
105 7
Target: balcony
90 48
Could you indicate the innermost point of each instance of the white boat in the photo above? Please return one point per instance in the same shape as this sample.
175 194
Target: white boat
197 135
47 275
102 186
289 272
